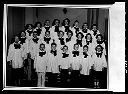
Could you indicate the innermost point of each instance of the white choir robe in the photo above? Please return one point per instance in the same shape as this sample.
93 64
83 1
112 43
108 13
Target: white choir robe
26 49
34 48
99 63
53 33
16 56
74 32
70 45
63 29
86 64
64 62
40 62
27 35
52 63
75 62
94 37
103 45
42 33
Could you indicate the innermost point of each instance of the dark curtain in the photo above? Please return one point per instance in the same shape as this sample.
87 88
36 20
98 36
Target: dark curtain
15 23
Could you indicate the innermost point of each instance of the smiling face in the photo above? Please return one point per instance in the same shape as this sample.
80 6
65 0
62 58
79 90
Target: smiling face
65 49
53 47
79 36
47 34
76 24
85 26
98 49
85 49
42 47
76 47
47 23
56 23
99 38
94 28
61 34
88 37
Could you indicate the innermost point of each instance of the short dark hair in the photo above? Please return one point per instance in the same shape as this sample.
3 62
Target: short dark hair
75 22
99 35
85 46
27 25
100 47
70 32
87 35
63 23
79 33
53 23
42 44
38 23
53 44
45 22
83 24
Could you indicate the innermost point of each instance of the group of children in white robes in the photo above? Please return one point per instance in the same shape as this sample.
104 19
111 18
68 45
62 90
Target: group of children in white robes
65 51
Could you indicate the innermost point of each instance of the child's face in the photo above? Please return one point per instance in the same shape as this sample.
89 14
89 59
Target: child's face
38 25
57 23
53 47
47 34
99 38
47 23
35 35
42 47
76 24
66 22
98 49
65 49
79 36
85 26
76 47
22 34
94 28
29 27
88 37
61 34
69 35
85 49
16 39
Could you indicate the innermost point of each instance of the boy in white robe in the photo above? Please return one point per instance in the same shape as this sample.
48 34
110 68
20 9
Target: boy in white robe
15 58
40 65
85 29
99 65
75 66
86 63
29 31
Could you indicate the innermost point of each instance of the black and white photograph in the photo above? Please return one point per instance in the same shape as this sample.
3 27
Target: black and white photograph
57 47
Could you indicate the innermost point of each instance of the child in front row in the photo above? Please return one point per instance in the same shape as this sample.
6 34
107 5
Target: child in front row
99 65
40 65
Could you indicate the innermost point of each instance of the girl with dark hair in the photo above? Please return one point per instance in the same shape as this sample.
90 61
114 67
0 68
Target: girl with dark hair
29 31
55 28
38 29
75 29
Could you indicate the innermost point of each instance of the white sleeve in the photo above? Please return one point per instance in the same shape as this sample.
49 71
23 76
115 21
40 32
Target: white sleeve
10 53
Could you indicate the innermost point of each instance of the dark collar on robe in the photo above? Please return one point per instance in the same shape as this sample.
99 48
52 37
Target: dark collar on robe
38 31
30 32
79 42
22 39
85 55
47 39
65 55
17 45
88 42
35 40
47 28
56 28
54 52
62 41
75 53
99 54
66 28
84 30
42 53
68 39
94 32
76 29
99 42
